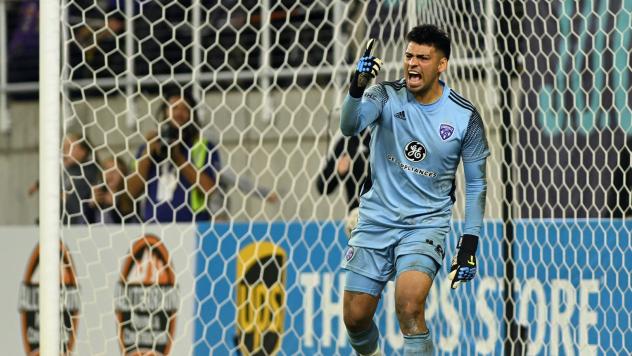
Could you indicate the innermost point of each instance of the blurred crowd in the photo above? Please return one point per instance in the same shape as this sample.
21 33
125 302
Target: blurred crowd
177 175
94 36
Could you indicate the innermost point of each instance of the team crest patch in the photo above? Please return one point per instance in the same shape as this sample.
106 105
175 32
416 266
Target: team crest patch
445 131
349 254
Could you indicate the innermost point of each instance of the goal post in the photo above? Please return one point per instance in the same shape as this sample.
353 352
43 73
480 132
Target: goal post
259 273
49 181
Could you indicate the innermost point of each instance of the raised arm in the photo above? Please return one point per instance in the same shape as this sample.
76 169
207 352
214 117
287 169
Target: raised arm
359 108
358 113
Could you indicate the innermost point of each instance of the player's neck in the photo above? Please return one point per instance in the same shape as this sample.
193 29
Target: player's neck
430 95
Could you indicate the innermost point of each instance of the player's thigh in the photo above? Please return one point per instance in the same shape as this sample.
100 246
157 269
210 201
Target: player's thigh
411 290
358 310
360 300
414 280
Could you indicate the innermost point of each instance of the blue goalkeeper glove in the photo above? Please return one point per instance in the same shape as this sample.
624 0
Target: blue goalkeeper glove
368 67
464 263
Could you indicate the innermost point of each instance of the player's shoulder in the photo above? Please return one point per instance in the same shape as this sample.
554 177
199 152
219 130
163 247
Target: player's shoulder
469 117
461 105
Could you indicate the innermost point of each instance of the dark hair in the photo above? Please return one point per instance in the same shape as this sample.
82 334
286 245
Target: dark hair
172 90
80 140
430 35
192 130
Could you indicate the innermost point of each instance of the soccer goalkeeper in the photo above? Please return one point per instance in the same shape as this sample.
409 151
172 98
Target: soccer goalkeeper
420 131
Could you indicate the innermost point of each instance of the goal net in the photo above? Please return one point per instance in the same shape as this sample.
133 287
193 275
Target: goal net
261 84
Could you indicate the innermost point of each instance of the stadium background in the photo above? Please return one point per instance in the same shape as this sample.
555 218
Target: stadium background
558 120
307 104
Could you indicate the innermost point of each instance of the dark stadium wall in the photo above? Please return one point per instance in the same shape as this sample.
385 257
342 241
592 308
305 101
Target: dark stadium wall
576 129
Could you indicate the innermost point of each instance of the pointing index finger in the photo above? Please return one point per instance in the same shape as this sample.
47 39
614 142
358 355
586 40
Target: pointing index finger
369 47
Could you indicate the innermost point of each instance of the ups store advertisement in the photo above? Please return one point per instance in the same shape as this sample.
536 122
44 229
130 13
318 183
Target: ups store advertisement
276 288
266 288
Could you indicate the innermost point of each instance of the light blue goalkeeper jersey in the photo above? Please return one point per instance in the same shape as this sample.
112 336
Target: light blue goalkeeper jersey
415 152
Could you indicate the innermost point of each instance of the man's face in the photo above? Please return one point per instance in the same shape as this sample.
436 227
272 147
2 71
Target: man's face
422 66
178 111
73 152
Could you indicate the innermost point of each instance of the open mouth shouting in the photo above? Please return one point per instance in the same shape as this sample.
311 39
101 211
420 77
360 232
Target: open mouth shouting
414 78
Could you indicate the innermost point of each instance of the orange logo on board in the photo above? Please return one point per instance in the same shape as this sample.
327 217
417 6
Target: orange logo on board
147 300
28 303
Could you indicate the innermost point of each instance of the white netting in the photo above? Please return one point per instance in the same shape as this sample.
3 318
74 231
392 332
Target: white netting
259 273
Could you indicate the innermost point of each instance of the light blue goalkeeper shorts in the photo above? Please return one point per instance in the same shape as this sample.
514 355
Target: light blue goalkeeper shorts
361 273
369 269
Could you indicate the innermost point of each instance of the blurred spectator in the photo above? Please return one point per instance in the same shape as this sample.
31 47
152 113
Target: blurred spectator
230 40
80 174
301 33
348 164
111 199
176 169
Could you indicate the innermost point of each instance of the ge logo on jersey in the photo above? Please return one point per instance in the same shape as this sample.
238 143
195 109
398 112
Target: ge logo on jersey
415 151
